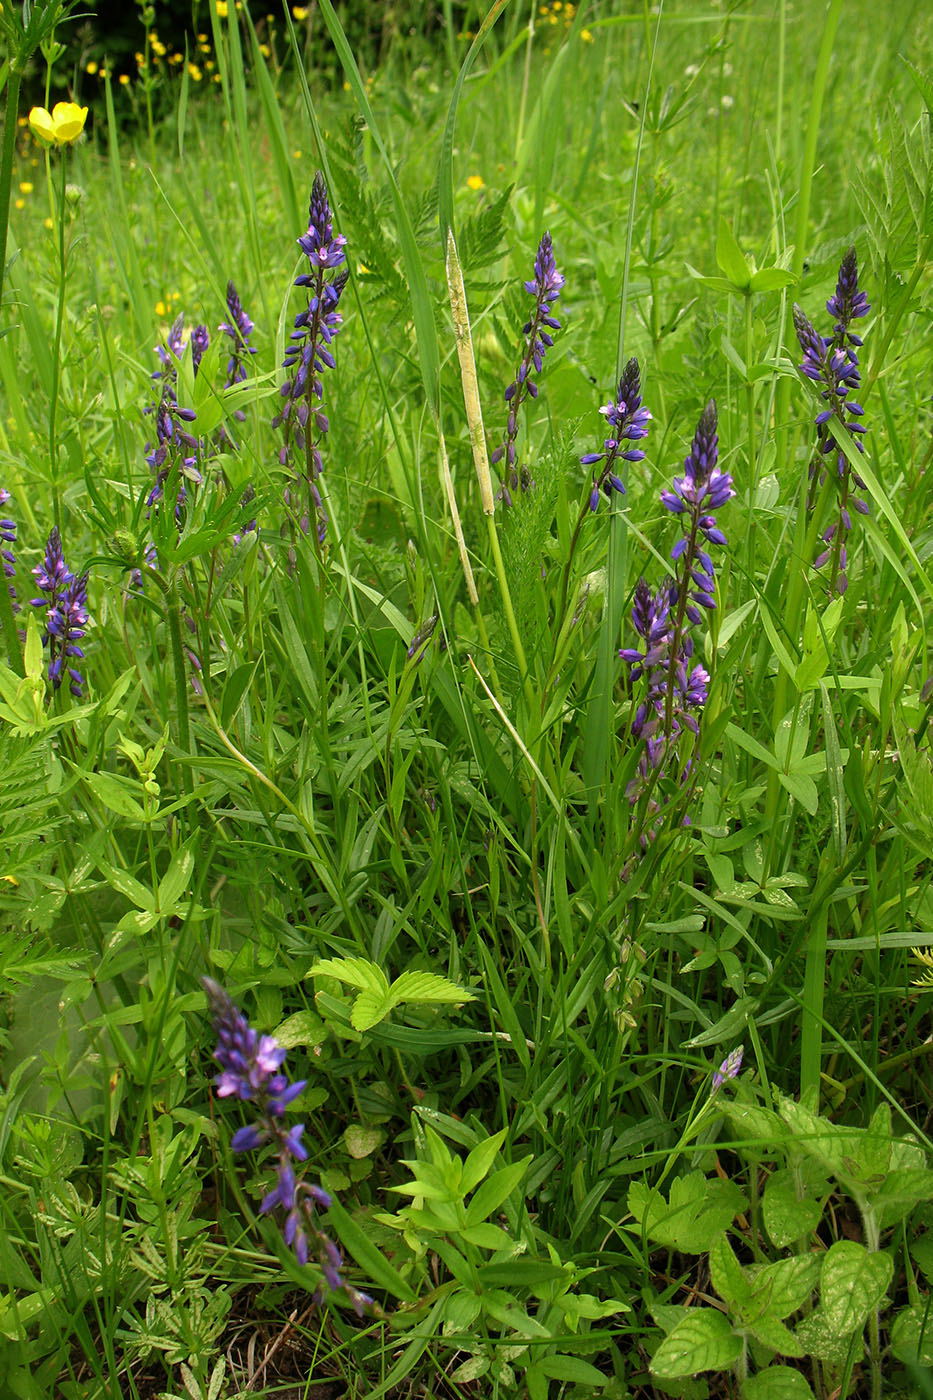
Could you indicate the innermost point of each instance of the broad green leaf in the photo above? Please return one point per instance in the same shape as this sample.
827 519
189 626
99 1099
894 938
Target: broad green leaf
698 1210
803 789
470 1370
770 279
571 1368
912 1336
777 1383
116 794
487 1236
853 1281
772 1333
176 879
730 259
494 1190
704 1341
726 1273
303 1028
361 1141
480 1160
787 1218
822 1339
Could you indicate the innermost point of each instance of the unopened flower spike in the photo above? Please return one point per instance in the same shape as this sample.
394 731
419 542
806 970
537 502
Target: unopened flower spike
238 327
251 1070
832 362
302 419
729 1068
545 287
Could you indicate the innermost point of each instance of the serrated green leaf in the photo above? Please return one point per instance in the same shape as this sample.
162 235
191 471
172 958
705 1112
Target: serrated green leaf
354 972
427 987
704 1341
787 1218
369 1009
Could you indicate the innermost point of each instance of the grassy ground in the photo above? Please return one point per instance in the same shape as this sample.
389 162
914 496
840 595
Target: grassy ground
386 780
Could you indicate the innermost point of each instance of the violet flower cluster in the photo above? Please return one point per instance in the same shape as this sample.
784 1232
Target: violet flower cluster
729 1069
175 443
545 287
66 615
302 418
7 544
251 1070
628 419
832 361
676 688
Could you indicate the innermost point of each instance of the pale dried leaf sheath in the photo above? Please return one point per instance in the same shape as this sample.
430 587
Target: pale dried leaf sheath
474 411
455 516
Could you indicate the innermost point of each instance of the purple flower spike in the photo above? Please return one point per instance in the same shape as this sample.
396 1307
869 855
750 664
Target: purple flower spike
832 363
674 689
251 1070
545 287
302 419
7 543
628 420
66 615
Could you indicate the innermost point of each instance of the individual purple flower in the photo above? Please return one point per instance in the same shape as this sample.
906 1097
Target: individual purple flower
832 362
545 287
628 419
308 357
7 544
66 615
729 1069
251 1069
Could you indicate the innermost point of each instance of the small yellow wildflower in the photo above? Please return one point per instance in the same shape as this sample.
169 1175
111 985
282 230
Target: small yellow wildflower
202 38
346 86
9 879
475 182
22 121
161 309
158 48
210 65
194 73
20 203
299 13
216 78
587 36
204 46
221 8
298 155
26 187
47 222
124 80
140 59
176 58
265 50
61 126
91 68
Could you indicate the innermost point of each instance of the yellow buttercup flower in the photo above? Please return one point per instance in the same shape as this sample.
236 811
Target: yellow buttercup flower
194 72
475 182
221 8
299 13
59 127
26 187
